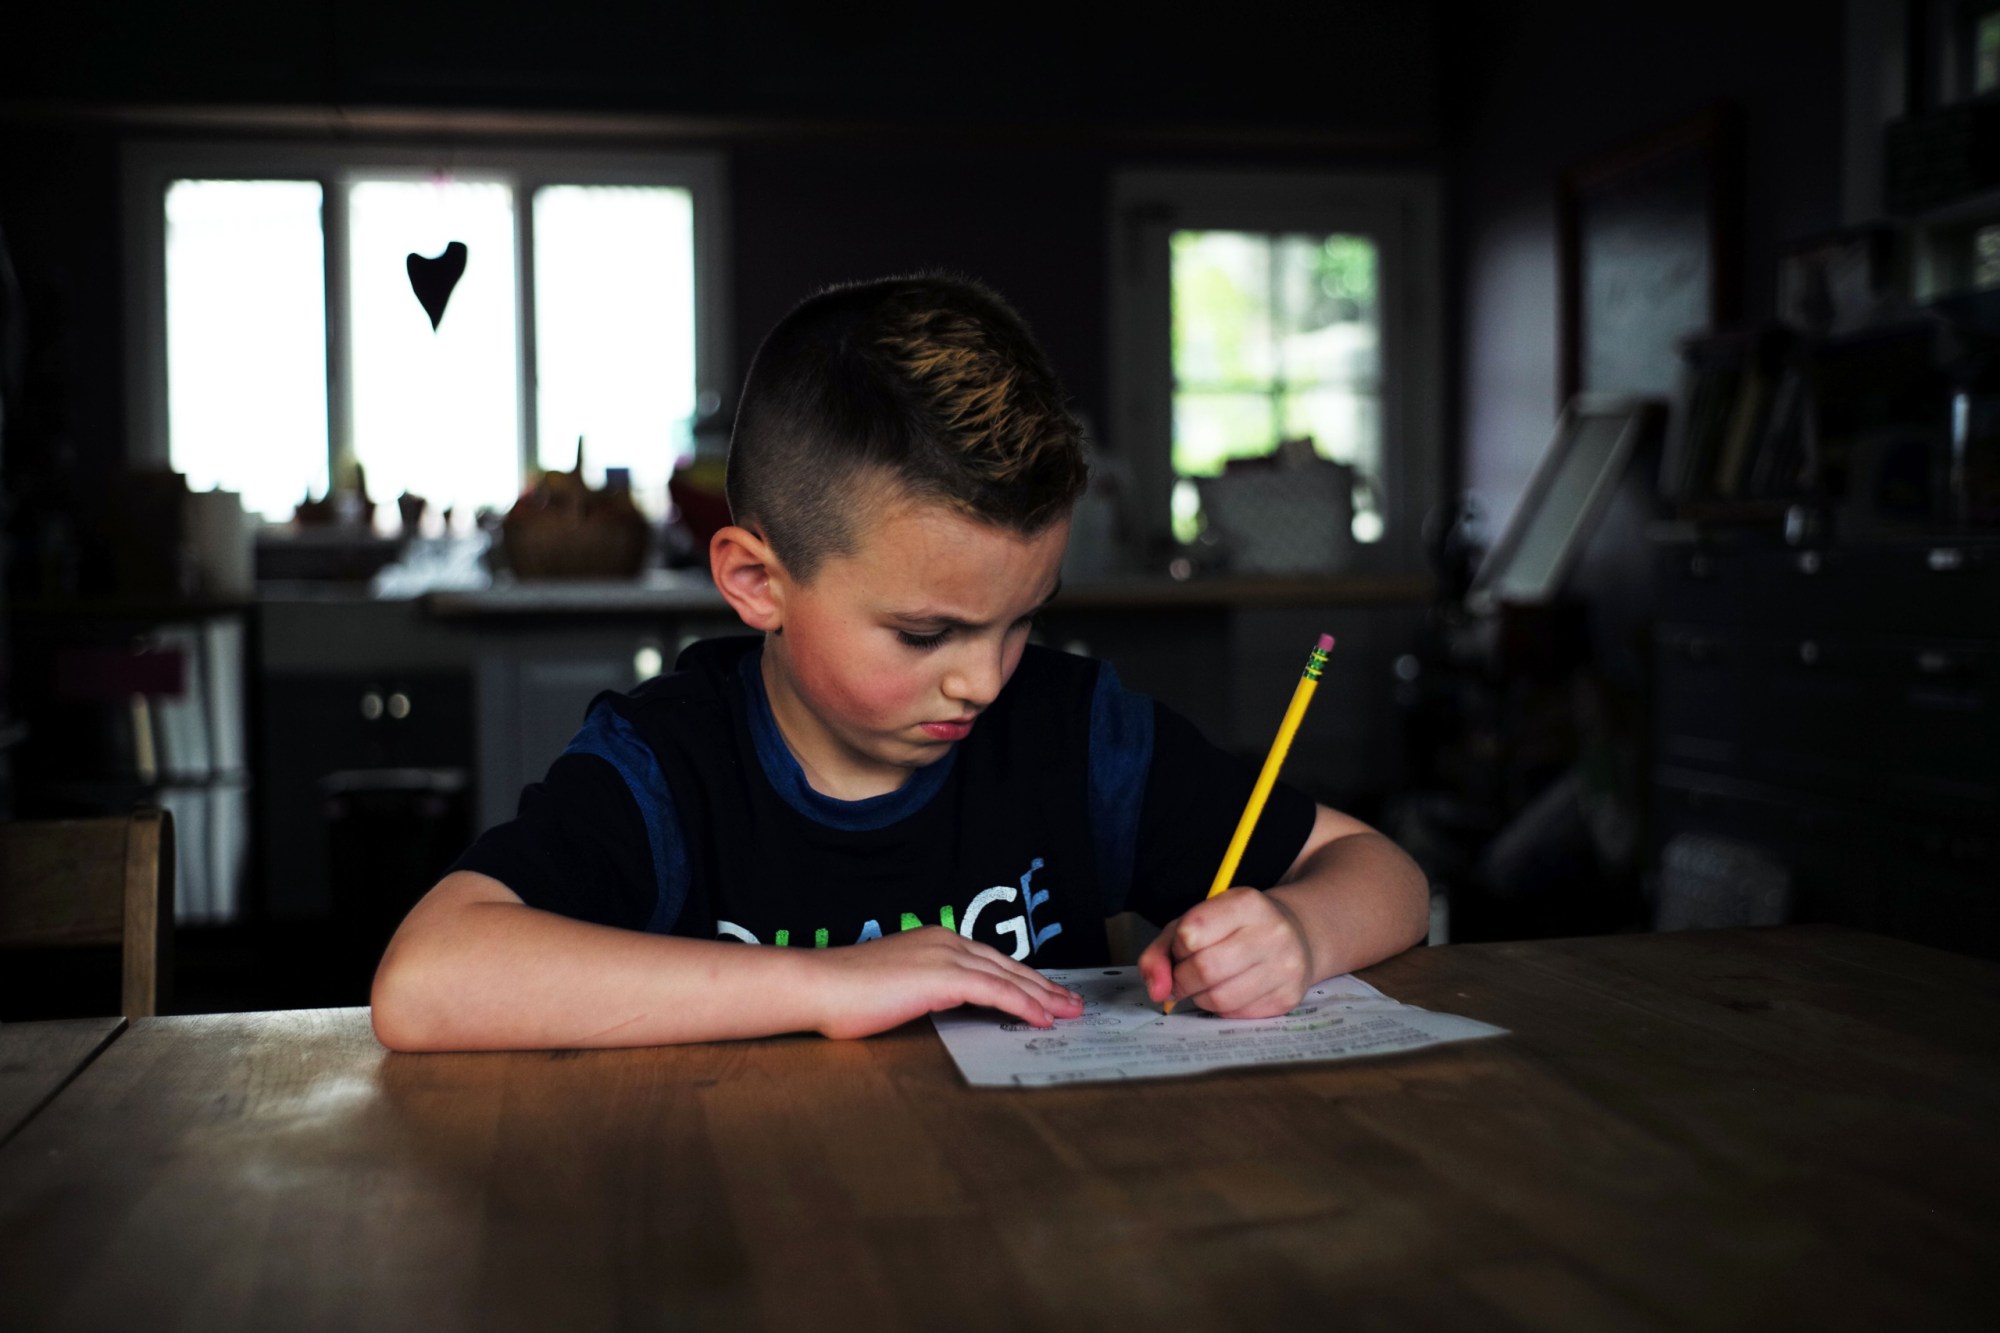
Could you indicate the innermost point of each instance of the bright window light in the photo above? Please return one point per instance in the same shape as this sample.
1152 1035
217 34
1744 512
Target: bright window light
1276 336
294 344
436 413
615 330
246 339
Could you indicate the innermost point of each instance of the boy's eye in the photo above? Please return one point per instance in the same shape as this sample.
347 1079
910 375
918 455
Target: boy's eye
922 642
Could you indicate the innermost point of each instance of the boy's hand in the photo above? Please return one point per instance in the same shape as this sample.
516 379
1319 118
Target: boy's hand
872 987
1241 954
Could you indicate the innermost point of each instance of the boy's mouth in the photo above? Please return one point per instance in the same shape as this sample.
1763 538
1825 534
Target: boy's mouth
955 730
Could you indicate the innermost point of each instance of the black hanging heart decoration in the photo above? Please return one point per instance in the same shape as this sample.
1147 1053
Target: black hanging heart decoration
433 279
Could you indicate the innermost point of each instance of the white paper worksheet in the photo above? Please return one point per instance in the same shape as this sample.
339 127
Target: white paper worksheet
1123 1035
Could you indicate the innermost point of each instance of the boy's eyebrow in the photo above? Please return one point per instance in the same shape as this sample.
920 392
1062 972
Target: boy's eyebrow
955 622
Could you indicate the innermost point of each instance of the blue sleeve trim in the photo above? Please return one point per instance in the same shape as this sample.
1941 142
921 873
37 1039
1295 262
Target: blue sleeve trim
1121 756
610 736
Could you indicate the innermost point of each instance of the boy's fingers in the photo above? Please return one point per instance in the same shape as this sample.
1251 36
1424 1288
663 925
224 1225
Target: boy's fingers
1156 970
1197 977
1246 997
1018 971
1211 920
997 992
1189 938
1041 984
1025 979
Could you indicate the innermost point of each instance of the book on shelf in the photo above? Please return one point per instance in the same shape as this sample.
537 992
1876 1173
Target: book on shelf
1780 468
1737 391
1765 417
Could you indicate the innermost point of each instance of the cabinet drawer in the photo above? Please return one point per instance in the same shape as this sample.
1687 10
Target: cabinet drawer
1907 588
1936 881
410 720
1909 723
1700 697
1942 732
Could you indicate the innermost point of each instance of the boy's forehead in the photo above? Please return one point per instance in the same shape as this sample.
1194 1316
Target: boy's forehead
928 552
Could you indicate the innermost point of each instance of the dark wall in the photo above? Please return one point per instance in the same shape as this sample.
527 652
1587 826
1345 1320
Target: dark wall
1028 220
1536 88
916 135
58 215
858 144
1363 66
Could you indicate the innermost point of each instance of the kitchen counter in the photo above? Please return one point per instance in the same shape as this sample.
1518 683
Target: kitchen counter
674 592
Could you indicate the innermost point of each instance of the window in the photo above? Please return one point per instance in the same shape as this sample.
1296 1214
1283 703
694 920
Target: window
1275 337
1250 310
282 342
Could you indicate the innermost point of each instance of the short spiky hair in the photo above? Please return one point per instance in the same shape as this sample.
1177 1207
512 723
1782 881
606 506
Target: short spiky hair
929 384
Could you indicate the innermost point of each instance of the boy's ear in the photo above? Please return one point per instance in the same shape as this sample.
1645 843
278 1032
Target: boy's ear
748 576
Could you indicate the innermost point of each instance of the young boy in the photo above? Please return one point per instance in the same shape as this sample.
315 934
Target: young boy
890 768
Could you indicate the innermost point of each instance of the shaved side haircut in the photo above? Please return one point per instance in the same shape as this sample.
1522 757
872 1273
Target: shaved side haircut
930 386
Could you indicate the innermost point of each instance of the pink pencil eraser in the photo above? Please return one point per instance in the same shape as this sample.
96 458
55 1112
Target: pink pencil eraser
1326 643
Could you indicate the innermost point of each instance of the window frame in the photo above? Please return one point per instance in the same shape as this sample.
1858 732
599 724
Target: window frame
1399 211
149 168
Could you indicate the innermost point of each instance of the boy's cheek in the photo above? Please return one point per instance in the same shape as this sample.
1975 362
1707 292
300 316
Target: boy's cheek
879 700
854 695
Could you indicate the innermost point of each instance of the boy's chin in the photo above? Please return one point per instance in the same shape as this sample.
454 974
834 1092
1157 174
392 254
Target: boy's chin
920 753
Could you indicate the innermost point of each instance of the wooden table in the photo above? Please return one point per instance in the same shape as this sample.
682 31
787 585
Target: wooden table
37 1059
1789 1128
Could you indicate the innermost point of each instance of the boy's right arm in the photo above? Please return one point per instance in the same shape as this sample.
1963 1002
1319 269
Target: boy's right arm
474 968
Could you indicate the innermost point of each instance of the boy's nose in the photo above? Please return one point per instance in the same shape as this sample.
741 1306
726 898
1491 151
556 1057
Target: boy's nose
975 679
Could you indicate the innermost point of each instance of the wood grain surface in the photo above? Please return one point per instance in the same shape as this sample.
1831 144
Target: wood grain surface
36 1059
1752 1129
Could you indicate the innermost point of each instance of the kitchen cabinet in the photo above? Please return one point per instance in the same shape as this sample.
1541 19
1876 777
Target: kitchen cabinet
1835 711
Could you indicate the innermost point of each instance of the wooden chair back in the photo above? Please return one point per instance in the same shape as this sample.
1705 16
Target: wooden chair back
68 882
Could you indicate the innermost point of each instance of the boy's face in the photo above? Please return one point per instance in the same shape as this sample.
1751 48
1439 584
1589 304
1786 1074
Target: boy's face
889 655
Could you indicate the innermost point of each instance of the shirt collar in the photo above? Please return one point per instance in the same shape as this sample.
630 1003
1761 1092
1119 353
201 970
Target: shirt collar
788 779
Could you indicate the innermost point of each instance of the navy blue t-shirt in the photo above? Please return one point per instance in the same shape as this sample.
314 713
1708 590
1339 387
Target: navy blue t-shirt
679 809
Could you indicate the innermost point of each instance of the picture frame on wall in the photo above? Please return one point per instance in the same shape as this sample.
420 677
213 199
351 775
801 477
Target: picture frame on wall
1596 438
1649 239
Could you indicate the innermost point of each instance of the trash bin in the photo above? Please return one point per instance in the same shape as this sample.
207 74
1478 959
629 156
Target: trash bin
390 833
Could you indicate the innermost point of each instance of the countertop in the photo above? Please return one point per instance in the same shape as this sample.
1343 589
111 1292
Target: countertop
676 591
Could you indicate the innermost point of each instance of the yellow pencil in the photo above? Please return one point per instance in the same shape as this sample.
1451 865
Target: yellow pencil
1266 779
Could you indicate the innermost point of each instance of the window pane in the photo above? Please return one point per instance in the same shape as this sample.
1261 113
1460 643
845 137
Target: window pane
1343 353
1211 427
1325 294
1222 309
246 339
435 413
1276 336
614 330
1344 423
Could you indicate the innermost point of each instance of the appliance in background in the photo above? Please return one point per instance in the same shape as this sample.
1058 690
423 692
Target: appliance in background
390 834
365 796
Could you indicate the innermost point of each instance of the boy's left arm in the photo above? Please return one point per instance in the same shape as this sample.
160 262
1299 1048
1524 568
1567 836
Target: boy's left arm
1351 898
